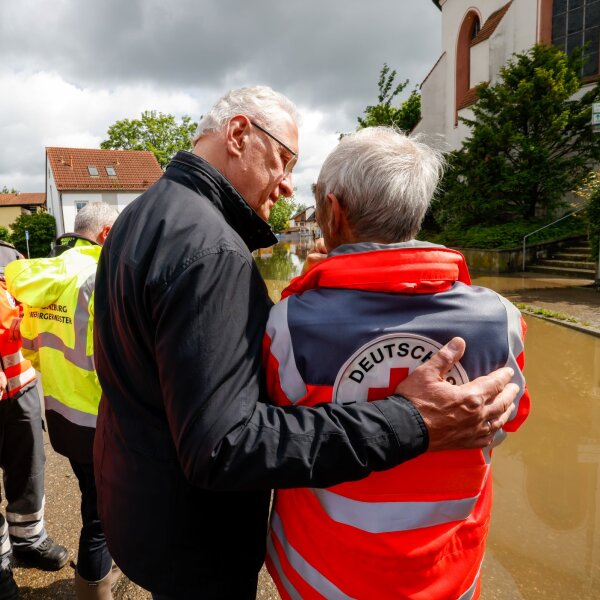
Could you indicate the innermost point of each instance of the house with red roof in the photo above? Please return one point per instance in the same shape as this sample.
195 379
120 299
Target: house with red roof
76 177
17 204
478 38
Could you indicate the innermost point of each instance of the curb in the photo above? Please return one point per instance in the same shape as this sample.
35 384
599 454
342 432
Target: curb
574 326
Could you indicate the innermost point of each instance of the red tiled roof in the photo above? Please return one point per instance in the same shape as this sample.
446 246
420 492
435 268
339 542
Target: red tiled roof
470 98
490 25
135 169
25 199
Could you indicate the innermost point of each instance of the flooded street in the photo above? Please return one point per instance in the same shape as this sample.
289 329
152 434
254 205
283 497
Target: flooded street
545 535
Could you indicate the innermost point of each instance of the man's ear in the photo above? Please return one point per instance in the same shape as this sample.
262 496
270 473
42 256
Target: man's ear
237 131
335 216
101 237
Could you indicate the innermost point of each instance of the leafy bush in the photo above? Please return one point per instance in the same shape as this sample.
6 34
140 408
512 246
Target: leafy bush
42 231
505 235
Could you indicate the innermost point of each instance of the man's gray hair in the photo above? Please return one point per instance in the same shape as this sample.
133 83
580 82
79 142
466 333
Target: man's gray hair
90 220
384 180
259 103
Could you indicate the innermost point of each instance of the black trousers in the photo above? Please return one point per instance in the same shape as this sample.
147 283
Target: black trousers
93 558
22 459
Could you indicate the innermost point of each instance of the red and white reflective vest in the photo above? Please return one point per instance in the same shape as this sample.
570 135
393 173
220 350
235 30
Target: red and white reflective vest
350 330
18 370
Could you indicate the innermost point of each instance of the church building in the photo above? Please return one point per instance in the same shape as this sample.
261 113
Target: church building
480 36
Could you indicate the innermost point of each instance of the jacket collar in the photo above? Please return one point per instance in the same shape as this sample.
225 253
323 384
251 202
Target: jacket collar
199 175
408 268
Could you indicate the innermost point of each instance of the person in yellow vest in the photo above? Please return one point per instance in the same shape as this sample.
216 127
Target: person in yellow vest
57 295
22 457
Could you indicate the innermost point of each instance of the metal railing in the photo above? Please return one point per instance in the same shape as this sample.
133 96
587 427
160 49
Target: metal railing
544 227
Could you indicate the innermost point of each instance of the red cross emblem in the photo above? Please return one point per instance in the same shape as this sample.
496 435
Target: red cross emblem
396 376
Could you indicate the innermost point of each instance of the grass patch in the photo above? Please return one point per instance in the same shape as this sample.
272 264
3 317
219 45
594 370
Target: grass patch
551 314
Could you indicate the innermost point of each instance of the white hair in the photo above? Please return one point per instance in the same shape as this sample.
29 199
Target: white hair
384 181
93 217
260 103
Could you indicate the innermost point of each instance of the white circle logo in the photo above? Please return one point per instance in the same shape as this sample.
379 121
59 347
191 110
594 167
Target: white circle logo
375 370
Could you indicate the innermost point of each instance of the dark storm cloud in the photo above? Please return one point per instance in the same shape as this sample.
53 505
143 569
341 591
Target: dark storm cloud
323 54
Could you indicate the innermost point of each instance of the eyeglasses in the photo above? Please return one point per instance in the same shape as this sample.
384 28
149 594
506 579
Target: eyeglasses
290 163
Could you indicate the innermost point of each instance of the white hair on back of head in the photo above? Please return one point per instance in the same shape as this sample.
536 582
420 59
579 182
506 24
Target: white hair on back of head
259 103
93 217
384 180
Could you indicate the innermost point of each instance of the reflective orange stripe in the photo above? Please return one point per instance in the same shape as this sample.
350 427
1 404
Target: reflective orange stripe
18 370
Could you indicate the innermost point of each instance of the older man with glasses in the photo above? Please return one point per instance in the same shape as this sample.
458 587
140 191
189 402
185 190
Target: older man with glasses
187 448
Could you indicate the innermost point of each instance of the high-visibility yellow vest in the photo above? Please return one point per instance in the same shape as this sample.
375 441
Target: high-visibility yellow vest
57 296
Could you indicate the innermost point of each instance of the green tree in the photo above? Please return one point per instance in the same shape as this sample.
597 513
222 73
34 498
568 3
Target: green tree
4 233
42 231
404 117
530 143
282 211
154 131
5 190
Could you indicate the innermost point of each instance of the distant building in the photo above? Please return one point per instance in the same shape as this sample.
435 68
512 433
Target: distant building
75 177
304 222
479 36
14 205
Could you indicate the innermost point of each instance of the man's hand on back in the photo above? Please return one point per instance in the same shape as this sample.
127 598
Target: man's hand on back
459 416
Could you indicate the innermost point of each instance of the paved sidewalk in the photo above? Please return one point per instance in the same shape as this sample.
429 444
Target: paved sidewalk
574 298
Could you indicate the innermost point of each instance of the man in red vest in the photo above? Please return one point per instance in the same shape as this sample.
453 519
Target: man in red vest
351 329
21 451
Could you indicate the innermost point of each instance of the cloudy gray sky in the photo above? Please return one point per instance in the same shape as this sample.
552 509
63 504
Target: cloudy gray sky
71 68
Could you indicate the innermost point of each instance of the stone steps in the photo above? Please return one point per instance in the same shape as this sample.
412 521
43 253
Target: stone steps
571 261
573 273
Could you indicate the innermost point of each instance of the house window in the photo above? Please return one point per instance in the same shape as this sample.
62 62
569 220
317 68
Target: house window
93 171
576 23
110 171
80 205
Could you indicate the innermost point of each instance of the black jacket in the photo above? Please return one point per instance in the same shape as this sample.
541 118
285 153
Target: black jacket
187 447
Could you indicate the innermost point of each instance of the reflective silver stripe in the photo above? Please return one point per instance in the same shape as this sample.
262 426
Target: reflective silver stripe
289 588
73 415
516 346
312 577
498 438
73 355
4 542
27 531
21 379
471 591
5 546
385 517
282 349
77 355
13 517
10 360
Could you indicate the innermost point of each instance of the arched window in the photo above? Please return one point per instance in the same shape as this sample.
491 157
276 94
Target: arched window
468 30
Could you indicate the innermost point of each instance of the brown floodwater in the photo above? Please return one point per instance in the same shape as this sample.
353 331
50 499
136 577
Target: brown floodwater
544 540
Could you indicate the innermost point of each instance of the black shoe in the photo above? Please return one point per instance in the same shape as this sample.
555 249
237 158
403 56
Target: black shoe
48 556
8 587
